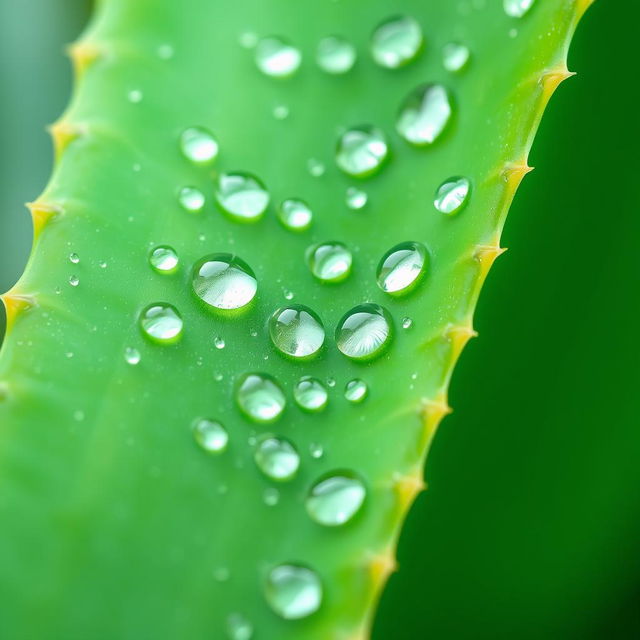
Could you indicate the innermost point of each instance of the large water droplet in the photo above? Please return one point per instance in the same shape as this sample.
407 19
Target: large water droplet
356 390
198 145
295 214
335 55
210 435
242 196
163 259
191 199
296 331
224 281
517 8
336 498
361 151
401 267
161 322
356 198
329 261
277 458
277 58
452 195
293 591
424 114
364 332
396 42
455 56
310 394
260 397
238 627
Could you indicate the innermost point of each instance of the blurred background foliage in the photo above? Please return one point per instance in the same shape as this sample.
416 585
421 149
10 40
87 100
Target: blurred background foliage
531 524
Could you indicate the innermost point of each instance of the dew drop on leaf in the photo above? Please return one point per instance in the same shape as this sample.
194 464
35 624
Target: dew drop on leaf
396 42
74 281
163 259
224 281
452 195
361 151
271 496
517 8
295 214
277 458
455 56
424 114
161 322
356 198
210 435
238 627
296 331
336 498
335 55
356 390
241 196
329 261
198 145
293 591
132 355
260 397
364 331
277 58
74 258
401 268
310 394
191 199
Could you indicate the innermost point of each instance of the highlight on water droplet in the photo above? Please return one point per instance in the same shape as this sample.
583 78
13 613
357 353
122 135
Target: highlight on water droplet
336 498
74 258
277 458
407 322
402 267
295 214
361 151
455 56
271 496
517 8
293 591
191 199
277 58
356 198
356 390
219 342
210 435
310 394
335 55
424 115
164 259
161 322
239 627
241 196
74 281
396 42
198 145
364 331
132 356
452 195
224 281
260 397
296 331
329 261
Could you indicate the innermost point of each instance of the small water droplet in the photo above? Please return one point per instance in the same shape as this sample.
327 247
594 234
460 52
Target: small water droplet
356 390
424 115
132 356
517 8
396 42
219 343
248 39
316 450
361 151
218 377
455 56
336 498
161 322
74 258
356 198
224 281
260 397
69 354
221 574
310 394
134 96
407 322
191 199
281 112
288 295
238 627
293 591
329 261
74 281
315 167
277 458
331 382
210 435
295 214
296 331
165 51
198 145
402 267
513 33
103 265
164 259
364 331
277 58
452 195
271 496
242 196
335 55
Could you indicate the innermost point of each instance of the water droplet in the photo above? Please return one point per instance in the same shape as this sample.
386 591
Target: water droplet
248 39
296 331
281 112
452 195
74 258
424 114
271 496
295 214
396 42
356 390
335 55
356 198
221 574
224 281
364 331
242 196
293 591
219 343
260 397
238 627
210 435
335 499
315 167
198 145
316 450
191 199
164 259
331 382
161 322
74 281
165 52
310 394
407 323
288 295
361 151
517 8
402 267
329 261
132 356
455 56
134 96
277 458
277 58
103 265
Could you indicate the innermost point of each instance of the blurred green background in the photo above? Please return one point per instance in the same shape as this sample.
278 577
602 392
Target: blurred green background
531 524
